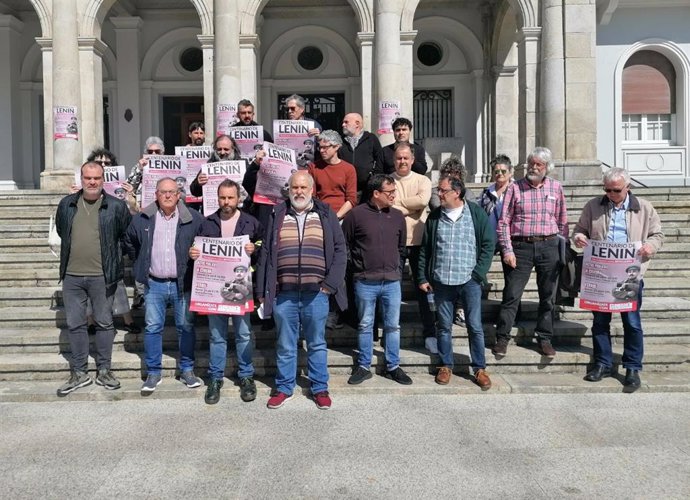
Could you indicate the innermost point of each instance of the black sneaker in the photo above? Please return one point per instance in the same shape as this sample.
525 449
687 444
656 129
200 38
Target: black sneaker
247 389
359 375
76 380
212 395
106 378
399 376
189 379
500 348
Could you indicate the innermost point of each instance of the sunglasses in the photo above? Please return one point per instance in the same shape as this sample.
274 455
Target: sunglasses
153 151
500 171
608 190
104 163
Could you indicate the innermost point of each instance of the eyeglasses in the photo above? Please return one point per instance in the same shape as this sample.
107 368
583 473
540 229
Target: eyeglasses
292 108
326 147
153 151
223 149
103 163
500 171
168 192
444 191
387 192
609 190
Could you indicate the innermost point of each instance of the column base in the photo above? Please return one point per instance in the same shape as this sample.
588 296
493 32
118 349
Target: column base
8 186
57 180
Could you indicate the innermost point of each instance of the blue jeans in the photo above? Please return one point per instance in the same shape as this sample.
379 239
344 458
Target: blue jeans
633 346
218 345
75 292
445 297
309 311
366 295
158 295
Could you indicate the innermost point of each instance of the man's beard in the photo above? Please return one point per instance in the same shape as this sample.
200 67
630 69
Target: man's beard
534 176
299 202
198 142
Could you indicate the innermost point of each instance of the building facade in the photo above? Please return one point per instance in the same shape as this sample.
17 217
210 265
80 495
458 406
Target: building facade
596 81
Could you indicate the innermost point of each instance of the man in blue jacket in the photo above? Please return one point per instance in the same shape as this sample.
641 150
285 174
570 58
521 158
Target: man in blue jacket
302 263
226 222
158 241
456 252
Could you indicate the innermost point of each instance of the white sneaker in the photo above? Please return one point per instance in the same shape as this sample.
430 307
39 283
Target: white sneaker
431 345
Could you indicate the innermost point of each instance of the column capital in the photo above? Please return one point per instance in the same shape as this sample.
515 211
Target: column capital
206 41
46 44
91 43
126 22
365 38
503 71
11 22
407 37
530 34
250 41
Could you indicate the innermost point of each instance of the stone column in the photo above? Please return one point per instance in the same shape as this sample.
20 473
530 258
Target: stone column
249 72
480 113
366 46
209 108
580 92
91 70
226 56
67 153
146 112
388 68
127 116
528 50
506 106
552 88
10 142
407 74
46 45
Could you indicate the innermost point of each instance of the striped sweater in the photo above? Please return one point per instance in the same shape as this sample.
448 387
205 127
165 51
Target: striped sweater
301 259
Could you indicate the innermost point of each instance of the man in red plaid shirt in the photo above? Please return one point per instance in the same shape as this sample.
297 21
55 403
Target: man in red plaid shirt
533 215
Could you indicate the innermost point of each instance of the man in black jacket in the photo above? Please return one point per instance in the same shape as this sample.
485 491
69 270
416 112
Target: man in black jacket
228 221
91 225
402 129
360 148
376 234
245 118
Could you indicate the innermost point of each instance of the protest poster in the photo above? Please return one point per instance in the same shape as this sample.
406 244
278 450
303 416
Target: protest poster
158 167
611 274
113 177
65 122
389 111
274 172
217 172
248 139
193 158
294 134
222 281
226 117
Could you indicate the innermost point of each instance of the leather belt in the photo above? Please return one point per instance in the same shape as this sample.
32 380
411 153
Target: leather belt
532 239
161 280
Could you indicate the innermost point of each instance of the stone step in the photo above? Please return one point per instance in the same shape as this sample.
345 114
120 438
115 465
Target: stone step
569 359
653 309
38 391
49 339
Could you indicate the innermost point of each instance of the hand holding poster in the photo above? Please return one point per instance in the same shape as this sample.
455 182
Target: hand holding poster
222 282
248 140
193 158
294 134
274 172
159 166
389 111
226 117
217 172
65 122
610 276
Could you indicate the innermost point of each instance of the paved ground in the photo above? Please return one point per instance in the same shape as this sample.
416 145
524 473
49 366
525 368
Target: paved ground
366 446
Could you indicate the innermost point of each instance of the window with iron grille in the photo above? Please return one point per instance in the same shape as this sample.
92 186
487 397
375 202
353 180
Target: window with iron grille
433 113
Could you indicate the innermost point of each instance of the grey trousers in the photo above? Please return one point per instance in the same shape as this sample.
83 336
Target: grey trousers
75 292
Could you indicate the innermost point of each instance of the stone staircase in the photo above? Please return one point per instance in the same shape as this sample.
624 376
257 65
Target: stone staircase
34 339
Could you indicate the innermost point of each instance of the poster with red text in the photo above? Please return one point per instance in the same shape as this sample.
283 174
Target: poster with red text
275 170
611 275
65 122
294 134
226 117
222 281
389 111
193 158
217 172
159 167
248 139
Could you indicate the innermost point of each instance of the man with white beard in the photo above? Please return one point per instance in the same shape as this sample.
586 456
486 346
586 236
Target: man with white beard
302 263
533 215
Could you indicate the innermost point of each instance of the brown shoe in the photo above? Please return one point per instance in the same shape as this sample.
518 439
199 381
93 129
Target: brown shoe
500 348
482 379
443 375
547 349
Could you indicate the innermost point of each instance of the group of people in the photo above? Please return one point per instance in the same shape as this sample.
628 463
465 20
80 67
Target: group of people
339 242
